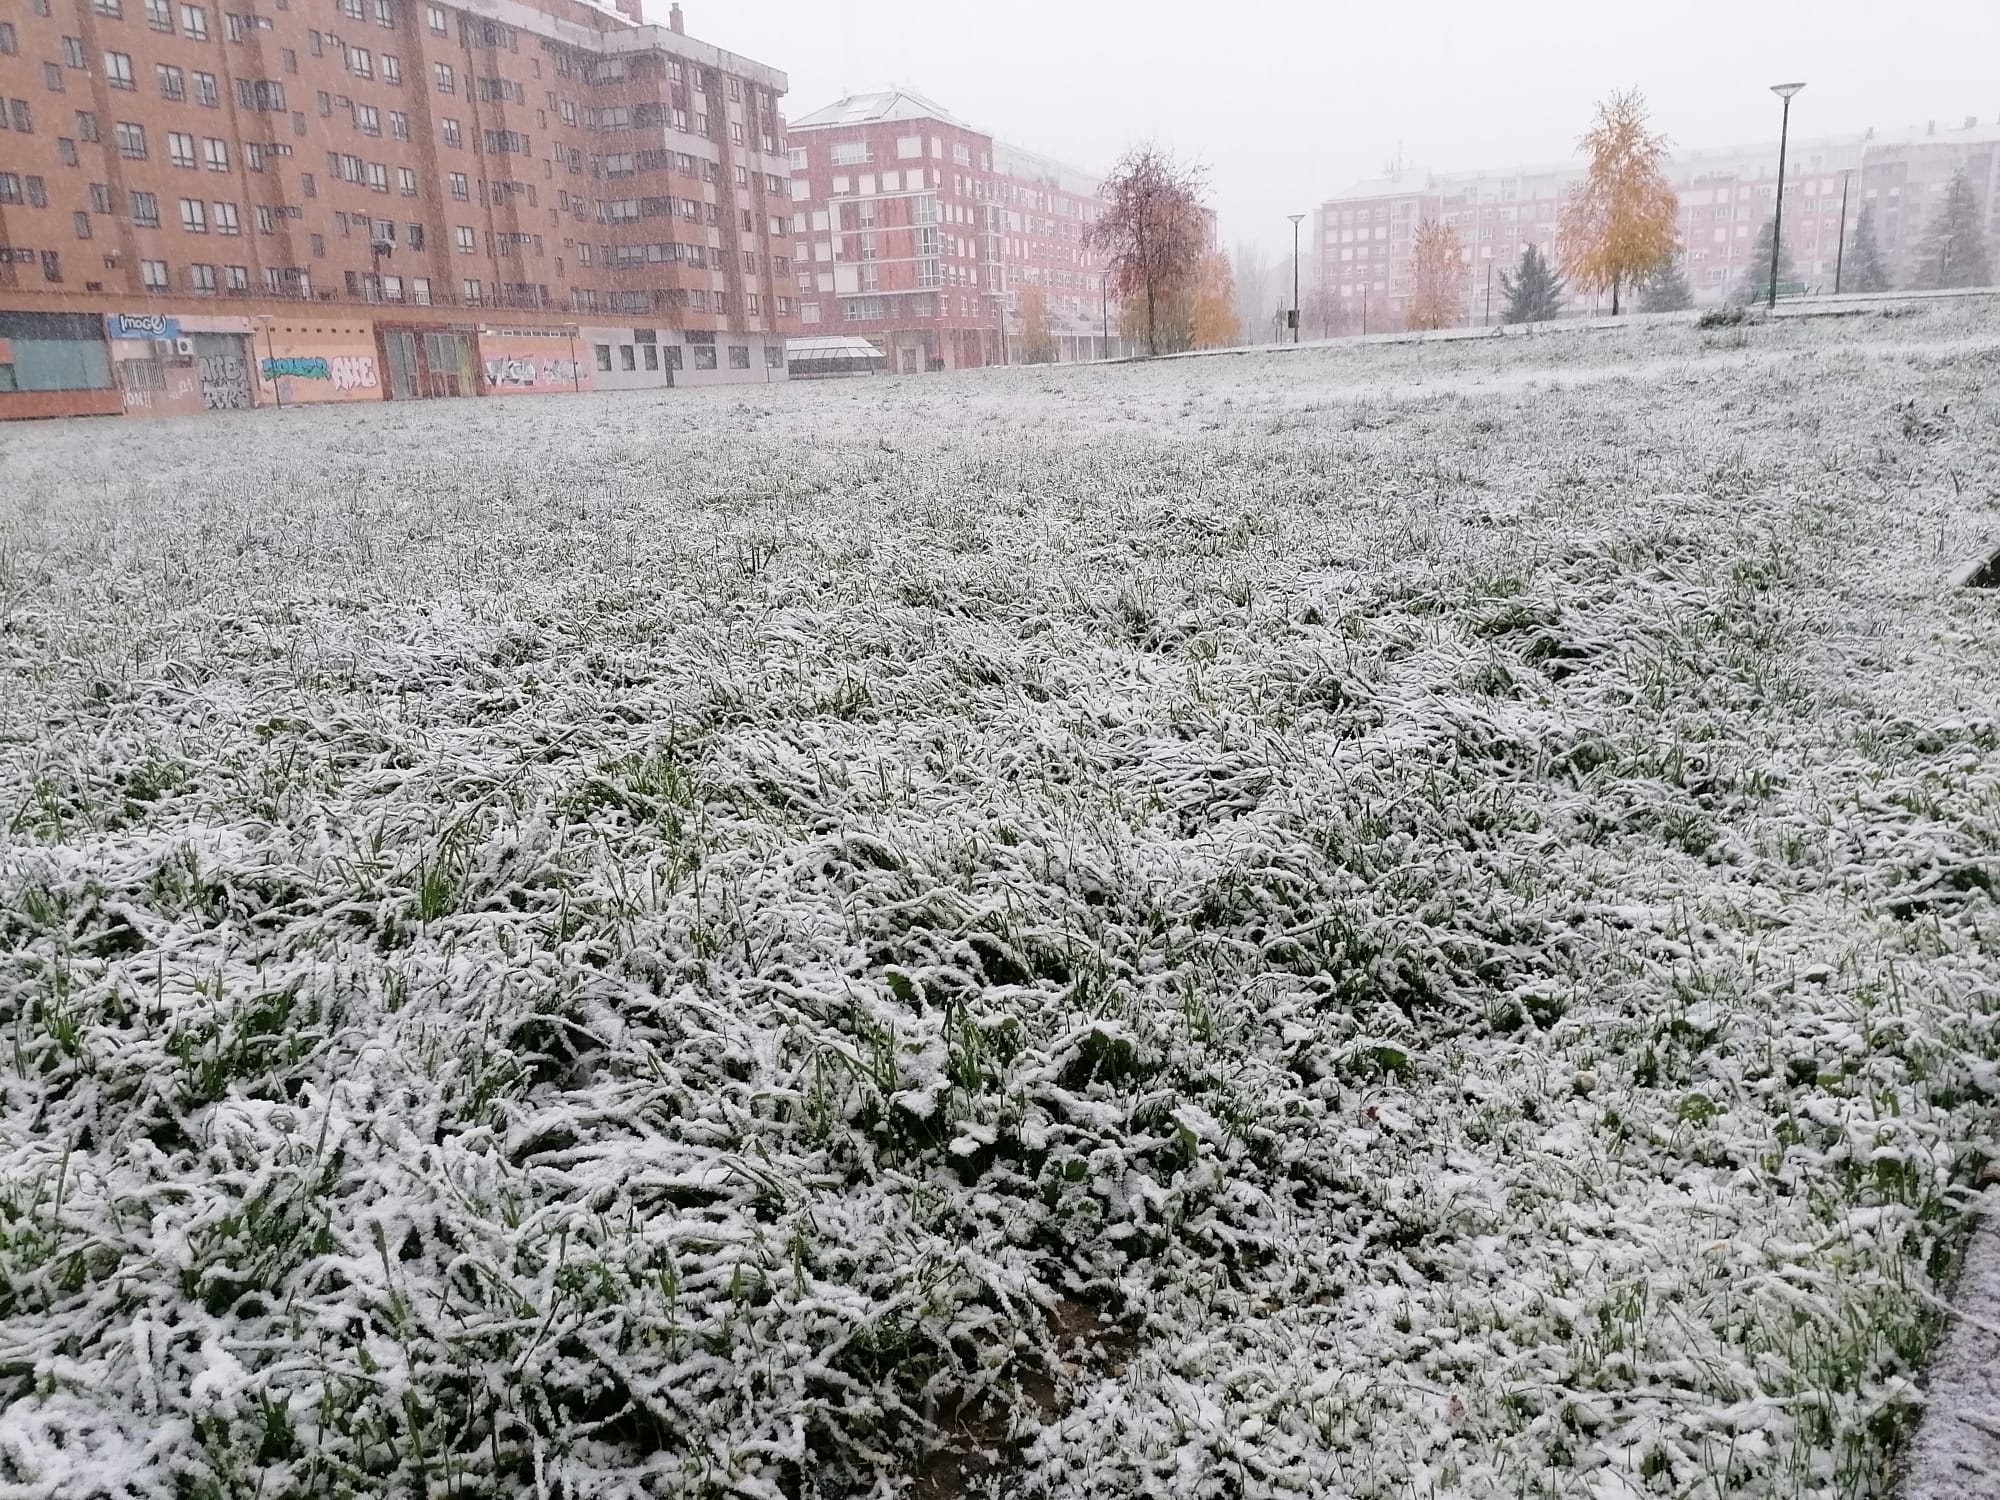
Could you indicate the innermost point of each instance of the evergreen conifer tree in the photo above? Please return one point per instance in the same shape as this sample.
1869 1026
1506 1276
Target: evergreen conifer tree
1755 284
1668 291
1863 271
1953 250
1534 292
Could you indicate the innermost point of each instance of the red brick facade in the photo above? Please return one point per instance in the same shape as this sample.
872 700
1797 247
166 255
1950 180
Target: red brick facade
919 233
429 161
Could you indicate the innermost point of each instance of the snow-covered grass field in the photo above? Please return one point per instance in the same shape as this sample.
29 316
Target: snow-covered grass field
1415 921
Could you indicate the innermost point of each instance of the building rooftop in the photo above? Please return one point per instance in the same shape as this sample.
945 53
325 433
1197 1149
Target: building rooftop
876 107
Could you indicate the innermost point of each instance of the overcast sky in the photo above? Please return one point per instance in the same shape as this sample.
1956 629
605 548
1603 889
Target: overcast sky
1286 101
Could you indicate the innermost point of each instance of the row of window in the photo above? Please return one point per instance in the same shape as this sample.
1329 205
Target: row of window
647 352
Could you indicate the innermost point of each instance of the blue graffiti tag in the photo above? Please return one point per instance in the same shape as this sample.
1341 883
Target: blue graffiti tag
307 369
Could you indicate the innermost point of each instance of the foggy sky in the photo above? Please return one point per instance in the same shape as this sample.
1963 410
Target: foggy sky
1286 101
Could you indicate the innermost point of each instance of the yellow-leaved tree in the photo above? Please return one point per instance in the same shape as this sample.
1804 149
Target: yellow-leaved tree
1620 226
1437 277
1038 335
1215 325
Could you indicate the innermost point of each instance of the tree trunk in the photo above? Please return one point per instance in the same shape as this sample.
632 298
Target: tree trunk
1615 279
1152 343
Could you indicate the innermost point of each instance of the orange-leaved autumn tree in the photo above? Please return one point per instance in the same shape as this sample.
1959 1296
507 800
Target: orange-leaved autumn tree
1152 232
1215 325
1437 277
1619 226
1038 335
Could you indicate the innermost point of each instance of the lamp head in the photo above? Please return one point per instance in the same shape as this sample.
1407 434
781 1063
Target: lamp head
1786 90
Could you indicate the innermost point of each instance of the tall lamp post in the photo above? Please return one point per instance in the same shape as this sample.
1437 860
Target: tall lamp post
1104 310
1840 251
1784 91
1295 274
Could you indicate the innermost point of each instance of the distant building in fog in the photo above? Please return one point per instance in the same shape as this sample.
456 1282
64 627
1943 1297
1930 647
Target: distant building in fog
919 232
1363 233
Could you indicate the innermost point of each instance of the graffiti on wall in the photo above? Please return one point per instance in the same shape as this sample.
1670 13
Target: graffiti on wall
523 373
348 372
225 382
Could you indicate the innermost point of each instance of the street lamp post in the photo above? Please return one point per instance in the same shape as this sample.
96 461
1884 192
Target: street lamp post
1295 274
1104 310
1840 251
1784 91
271 359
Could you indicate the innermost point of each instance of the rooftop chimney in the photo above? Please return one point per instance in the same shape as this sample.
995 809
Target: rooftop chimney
674 21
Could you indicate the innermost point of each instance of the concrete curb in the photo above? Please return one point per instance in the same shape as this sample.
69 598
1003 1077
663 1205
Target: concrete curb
1956 1452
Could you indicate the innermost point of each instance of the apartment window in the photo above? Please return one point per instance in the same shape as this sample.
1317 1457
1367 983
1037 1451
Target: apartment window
753 306
437 20
392 69
784 307
66 151
52 78
131 140
194 21
194 217
172 84
201 280
325 102
80 222
118 70
100 198
739 356
414 235
51 266
145 210
470 291
237 278
850 153
360 62
225 219
289 58
467 241
9 45
460 188
180 149
368 119
378 177
253 157
446 84
406 182
450 128
207 95
233 26
215 153
153 275
399 125
267 222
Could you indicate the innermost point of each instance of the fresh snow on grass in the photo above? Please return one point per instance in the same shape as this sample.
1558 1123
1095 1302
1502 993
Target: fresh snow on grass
1399 921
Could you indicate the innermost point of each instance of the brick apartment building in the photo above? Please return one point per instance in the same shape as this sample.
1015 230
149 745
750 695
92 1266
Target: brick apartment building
1363 234
330 200
919 233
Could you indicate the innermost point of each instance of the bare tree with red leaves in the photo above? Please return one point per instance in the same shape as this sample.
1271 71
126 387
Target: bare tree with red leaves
1152 230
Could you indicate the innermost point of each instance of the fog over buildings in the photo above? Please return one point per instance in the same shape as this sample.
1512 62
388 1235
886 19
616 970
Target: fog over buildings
1288 103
